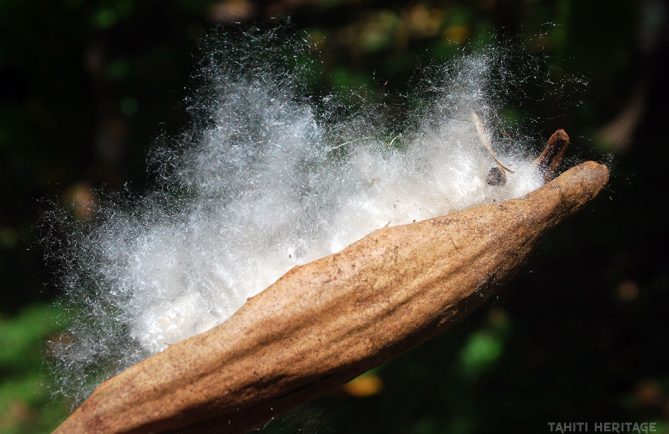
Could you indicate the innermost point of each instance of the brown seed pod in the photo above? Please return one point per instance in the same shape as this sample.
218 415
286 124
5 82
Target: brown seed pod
325 322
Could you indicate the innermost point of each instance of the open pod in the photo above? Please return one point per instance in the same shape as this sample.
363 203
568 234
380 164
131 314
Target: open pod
325 322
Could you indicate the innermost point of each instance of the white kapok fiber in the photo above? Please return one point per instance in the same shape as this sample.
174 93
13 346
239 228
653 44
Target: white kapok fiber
266 179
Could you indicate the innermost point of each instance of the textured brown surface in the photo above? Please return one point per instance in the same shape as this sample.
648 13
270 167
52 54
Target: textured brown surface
323 323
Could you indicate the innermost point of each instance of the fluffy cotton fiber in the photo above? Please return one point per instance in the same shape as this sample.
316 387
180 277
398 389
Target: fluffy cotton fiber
263 181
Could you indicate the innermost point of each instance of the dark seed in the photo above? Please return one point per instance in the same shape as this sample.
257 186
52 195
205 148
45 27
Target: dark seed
495 177
551 157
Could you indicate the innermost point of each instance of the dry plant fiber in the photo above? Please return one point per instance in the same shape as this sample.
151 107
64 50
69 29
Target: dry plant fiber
267 177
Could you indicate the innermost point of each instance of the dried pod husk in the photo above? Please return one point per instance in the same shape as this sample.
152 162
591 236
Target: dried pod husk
547 162
325 322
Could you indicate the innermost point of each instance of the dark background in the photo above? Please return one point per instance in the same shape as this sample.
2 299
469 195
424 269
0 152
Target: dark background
579 335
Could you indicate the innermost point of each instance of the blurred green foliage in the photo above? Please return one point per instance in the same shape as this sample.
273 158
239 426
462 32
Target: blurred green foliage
26 404
87 86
